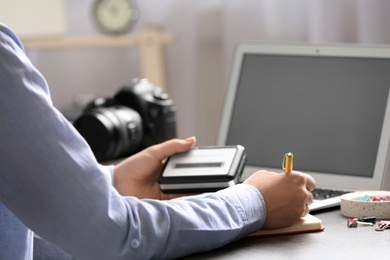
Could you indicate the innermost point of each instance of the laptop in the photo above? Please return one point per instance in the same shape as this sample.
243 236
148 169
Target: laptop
327 104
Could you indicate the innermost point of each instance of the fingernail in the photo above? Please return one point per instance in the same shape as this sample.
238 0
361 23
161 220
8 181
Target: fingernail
191 139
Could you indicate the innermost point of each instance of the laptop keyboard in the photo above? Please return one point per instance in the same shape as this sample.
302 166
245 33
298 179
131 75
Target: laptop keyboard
322 194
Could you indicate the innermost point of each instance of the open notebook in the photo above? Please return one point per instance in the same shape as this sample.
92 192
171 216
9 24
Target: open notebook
309 223
327 104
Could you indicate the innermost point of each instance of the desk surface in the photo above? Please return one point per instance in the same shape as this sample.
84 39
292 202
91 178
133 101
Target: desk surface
337 241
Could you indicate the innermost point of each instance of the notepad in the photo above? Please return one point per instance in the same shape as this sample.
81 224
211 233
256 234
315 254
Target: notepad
303 225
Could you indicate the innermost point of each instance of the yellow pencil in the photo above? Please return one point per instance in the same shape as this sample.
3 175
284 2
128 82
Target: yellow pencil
288 158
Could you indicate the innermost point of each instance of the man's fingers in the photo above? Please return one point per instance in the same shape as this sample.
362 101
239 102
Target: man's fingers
171 147
310 183
306 211
309 180
308 202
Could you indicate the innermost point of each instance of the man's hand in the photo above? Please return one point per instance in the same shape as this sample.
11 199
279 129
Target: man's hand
138 175
287 196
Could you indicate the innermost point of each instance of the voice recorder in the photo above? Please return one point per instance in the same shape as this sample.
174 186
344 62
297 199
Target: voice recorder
203 169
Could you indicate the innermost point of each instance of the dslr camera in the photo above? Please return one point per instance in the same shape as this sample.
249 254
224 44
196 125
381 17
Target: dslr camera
137 116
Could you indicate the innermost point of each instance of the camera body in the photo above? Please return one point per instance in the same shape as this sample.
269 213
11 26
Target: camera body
137 116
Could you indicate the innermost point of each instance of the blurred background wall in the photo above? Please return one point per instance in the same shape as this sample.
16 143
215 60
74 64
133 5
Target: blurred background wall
198 61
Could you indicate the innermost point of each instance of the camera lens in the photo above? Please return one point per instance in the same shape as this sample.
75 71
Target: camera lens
111 132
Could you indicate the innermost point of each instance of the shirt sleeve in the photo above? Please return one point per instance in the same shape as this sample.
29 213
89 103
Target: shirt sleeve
51 181
16 240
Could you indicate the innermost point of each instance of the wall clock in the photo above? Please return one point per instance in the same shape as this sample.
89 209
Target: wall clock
115 16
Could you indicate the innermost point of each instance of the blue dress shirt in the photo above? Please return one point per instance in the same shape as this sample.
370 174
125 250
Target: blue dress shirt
51 182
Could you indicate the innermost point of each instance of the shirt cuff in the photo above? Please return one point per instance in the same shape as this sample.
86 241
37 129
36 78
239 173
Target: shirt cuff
108 172
249 204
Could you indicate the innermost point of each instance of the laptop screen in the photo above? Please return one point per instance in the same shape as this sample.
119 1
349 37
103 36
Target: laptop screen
326 105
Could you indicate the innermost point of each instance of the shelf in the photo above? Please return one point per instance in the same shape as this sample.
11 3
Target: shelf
81 42
151 41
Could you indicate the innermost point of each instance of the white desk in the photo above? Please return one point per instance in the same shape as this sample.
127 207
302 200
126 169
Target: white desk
337 241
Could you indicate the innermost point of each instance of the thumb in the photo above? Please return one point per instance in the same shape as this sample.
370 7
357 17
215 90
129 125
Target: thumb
171 147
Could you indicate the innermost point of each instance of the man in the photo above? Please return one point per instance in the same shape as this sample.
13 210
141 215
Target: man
51 182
